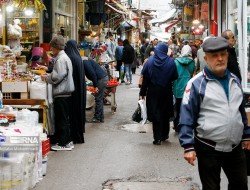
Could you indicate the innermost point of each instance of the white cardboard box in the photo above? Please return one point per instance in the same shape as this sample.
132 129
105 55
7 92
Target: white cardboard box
21 86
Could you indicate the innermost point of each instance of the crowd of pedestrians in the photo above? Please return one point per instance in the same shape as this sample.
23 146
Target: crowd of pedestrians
197 84
209 111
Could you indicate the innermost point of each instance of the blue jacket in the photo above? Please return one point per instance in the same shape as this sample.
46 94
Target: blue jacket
94 71
185 67
207 113
118 53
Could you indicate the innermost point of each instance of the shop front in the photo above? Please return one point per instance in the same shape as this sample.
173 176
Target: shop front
234 15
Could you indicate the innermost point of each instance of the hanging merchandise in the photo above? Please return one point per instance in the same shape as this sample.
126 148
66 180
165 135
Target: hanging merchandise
204 11
4 1
95 15
23 4
196 11
188 12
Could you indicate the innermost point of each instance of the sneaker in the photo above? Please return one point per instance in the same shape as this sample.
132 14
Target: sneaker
127 83
94 120
130 82
57 147
71 144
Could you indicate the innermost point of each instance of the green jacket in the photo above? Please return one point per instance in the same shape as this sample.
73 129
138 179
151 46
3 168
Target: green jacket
185 67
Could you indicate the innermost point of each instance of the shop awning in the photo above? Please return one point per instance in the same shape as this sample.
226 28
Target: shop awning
164 18
172 24
127 23
116 10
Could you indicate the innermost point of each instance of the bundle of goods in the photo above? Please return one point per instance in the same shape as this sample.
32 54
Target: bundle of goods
112 82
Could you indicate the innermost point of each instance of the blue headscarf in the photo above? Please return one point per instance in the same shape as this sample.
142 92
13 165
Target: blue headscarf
160 68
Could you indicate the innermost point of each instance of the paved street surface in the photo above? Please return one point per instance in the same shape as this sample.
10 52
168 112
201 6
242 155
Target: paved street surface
119 155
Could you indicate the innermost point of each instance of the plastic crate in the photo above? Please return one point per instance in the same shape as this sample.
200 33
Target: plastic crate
45 147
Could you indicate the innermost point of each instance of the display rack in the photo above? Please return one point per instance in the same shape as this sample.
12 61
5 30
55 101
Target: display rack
30 28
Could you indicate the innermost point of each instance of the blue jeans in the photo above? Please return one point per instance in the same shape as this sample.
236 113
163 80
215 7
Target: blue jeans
101 85
128 70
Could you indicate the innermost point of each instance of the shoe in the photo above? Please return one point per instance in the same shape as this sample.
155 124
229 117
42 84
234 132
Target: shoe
71 144
102 120
57 147
130 82
94 120
165 138
127 83
157 142
122 81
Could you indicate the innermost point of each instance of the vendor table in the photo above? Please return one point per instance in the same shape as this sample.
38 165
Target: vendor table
28 103
110 92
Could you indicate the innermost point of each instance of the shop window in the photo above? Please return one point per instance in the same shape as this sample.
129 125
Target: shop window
29 29
63 25
63 6
63 18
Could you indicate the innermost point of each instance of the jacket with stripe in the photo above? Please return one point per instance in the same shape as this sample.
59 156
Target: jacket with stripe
208 113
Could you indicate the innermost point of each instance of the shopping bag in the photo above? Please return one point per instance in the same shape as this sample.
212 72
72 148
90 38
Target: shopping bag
143 107
137 115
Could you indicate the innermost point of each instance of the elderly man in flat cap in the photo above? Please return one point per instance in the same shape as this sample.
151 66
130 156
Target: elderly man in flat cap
213 123
62 86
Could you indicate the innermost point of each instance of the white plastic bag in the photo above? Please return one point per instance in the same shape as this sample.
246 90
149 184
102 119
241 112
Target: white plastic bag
38 90
143 106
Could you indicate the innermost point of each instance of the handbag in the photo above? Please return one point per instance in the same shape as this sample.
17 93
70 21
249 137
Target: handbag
137 115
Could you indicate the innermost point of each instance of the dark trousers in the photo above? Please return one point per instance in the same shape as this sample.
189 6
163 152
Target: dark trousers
161 129
211 161
62 125
118 67
101 85
177 114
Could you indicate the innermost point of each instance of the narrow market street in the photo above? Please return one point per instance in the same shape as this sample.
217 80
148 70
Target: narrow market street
119 155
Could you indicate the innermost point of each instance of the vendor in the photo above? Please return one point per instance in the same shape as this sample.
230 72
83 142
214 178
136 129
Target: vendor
99 77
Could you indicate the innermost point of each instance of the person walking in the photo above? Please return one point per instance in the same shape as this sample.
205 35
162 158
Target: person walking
62 87
150 47
185 68
232 65
213 123
175 48
78 97
118 57
143 49
158 74
99 77
128 58
201 63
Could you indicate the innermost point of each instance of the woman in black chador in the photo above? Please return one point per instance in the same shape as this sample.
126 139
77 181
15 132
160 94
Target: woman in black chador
158 74
78 97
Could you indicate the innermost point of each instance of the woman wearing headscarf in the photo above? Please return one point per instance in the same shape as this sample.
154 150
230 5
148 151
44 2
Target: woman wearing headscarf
158 74
78 98
185 67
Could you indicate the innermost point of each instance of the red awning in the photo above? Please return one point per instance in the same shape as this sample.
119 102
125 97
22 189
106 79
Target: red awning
171 25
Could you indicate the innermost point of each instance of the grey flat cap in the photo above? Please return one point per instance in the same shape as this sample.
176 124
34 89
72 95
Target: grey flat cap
214 44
